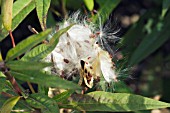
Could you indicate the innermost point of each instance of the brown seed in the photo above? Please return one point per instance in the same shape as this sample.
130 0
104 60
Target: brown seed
86 41
88 58
68 43
66 60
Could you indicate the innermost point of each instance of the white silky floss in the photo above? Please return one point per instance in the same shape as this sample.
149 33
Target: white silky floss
78 45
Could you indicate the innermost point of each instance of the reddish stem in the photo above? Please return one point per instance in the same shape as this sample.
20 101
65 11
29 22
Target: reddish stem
6 94
12 38
13 82
8 75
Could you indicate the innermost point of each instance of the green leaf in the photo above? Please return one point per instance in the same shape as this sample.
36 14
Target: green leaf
43 50
130 40
63 96
43 102
113 102
152 41
165 7
44 79
1 57
6 11
22 105
43 89
2 83
54 40
42 7
37 53
27 44
22 65
2 101
106 7
21 8
9 104
89 4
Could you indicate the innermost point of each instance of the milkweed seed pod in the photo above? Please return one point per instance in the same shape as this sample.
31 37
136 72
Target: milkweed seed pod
83 50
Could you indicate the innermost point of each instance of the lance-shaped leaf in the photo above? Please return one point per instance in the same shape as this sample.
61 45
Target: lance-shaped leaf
9 104
43 102
1 57
63 96
22 65
112 102
44 79
106 7
42 7
89 4
165 7
27 44
152 41
21 8
6 10
43 50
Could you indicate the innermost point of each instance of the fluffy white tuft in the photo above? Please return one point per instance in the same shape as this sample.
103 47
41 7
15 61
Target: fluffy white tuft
81 48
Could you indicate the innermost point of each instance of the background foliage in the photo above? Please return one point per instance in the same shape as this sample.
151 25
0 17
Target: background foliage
143 51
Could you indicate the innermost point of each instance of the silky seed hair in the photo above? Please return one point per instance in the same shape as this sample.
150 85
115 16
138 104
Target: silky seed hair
84 42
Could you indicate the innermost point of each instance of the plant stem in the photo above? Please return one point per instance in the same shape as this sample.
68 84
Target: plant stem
6 94
12 38
11 78
13 82
63 8
31 88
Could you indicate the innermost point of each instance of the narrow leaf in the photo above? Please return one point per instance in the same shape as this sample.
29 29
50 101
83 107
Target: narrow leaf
43 102
63 96
89 4
22 65
54 40
152 41
165 7
43 50
1 57
42 7
6 11
27 44
113 102
9 104
44 79
37 53
106 7
21 8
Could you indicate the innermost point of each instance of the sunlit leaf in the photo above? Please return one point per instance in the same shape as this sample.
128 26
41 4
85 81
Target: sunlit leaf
54 40
9 104
44 79
43 50
43 102
21 8
1 57
89 4
113 102
6 11
42 7
27 44
165 6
